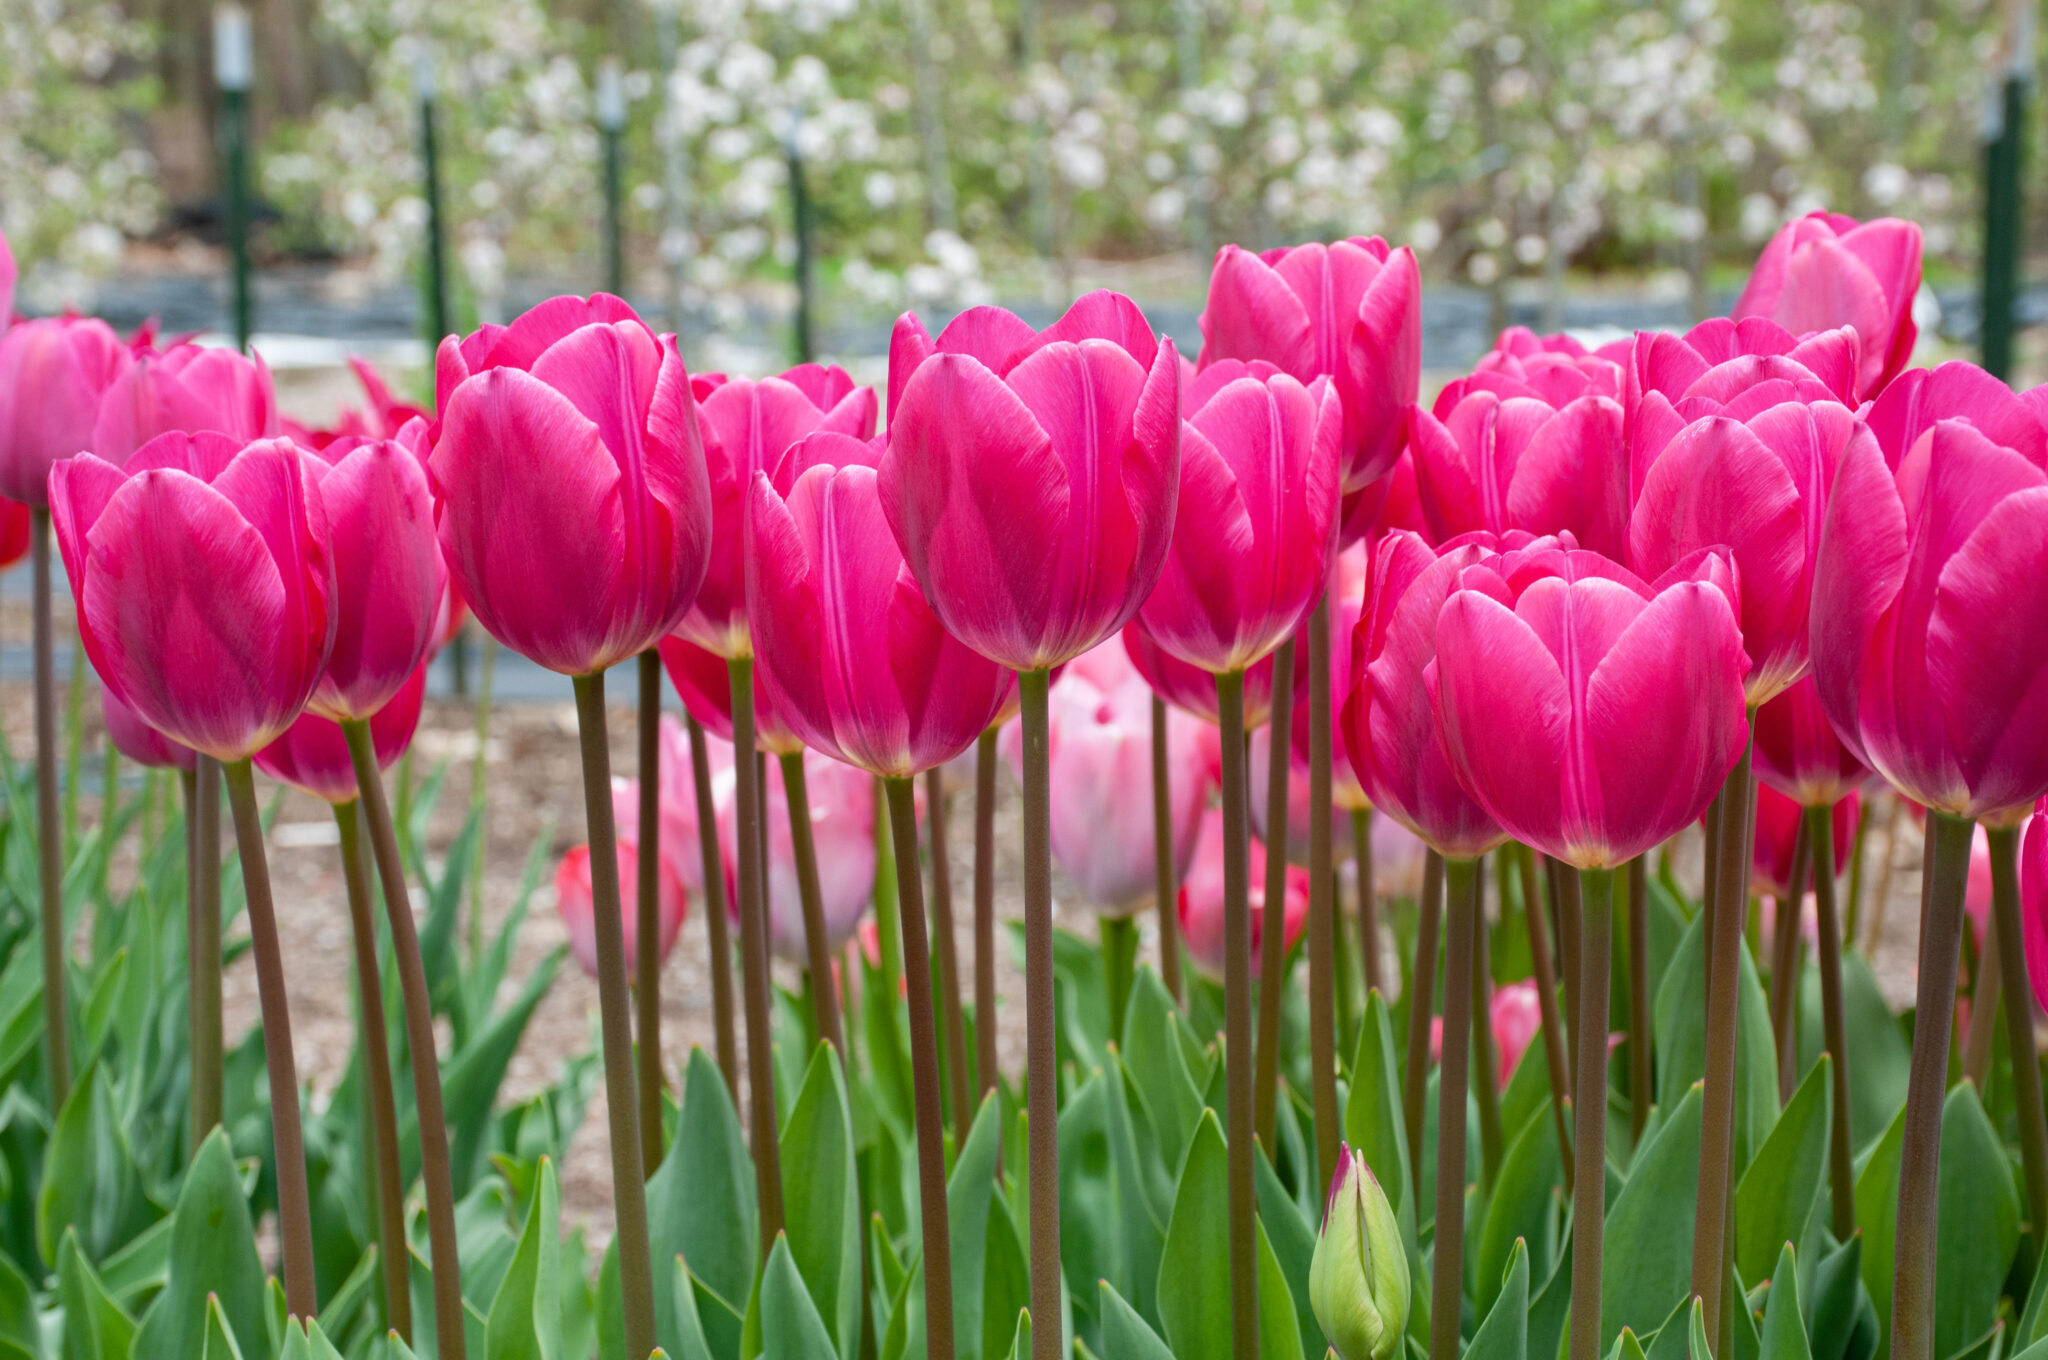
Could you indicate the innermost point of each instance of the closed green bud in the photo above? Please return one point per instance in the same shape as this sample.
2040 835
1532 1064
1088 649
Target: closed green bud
1358 1282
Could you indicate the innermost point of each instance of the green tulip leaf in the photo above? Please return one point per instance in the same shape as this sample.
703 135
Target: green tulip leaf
1194 1268
1125 1336
1784 1329
1504 1335
1519 1211
789 1323
1784 1180
1979 1223
1294 1246
1646 1263
1372 1115
1837 1295
525 1321
821 1190
211 1254
1279 1333
969 1192
18 1323
218 1342
95 1326
1877 1207
1681 1042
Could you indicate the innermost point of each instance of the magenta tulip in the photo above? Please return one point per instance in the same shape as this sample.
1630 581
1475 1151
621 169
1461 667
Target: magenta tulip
15 520
1911 404
859 662
1201 898
187 387
1380 507
1034 497
53 375
1518 343
1591 715
574 507
140 742
842 804
1825 270
1797 752
747 427
313 754
1192 689
1255 534
205 584
575 901
1777 831
1350 311
1921 574
704 682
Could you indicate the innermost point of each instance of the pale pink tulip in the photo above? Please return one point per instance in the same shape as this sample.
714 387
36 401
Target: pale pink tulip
53 374
1201 898
186 388
574 900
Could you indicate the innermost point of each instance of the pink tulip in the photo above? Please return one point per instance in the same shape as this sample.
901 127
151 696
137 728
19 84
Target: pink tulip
574 508
53 374
1201 898
574 898
140 742
860 665
1777 831
1528 442
1517 1015
1350 311
1347 792
1591 715
842 803
1099 755
1751 475
390 584
1033 495
1380 507
1191 689
1521 343
1393 737
2034 901
1797 752
1977 888
1920 577
15 519
1258 771
186 387
747 427
704 682
313 754
1825 270
1916 399
205 584
1255 534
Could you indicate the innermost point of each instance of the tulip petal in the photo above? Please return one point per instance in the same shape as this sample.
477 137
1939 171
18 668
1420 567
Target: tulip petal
1100 315
1253 313
1858 570
1573 476
1504 714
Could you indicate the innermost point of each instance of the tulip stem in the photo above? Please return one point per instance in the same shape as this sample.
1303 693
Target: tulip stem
1875 932
948 948
1485 1062
479 790
294 1210
390 1182
1784 994
985 910
435 1172
1984 999
1041 1034
1554 1060
1564 899
1448 1274
1119 936
1237 1018
1590 1179
1641 1041
1273 925
1368 900
647 926
924 1078
202 941
1856 847
1920 1153
1820 829
2019 1024
711 858
1165 885
1322 900
49 830
1421 987
754 980
1723 961
817 951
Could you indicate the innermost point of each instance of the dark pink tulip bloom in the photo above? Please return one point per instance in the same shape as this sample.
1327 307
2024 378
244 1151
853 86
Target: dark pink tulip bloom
574 508
1201 898
574 899
53 374
2034 901
1034 498
1521 343
1350 311
1825 270
15 519
205 584
1191 689
1255 534
390 584
860 664
748 426
1777 830
704 682
1912 402
1797 752
186 387
1591 715
313 754
140 742
1923 576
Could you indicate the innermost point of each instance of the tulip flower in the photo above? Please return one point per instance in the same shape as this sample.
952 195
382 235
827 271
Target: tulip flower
575 901
1911 404
1530 443
1033 496
1797 753
704 682
1191 689
1380 507
841 804
313 754
747 427
1358 1278
1777 831
140 742
1521 343
15 521
1259 769
1255 534
53 374
1350 311
1201 898
187 387
1516 1016
1825 270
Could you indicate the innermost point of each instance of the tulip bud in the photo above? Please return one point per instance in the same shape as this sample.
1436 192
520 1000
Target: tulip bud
1358 1281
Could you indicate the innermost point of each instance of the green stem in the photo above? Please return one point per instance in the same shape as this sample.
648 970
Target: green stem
2019 1027
203 951
1564 897
1040 1021
817 952
1552 1029
381 1157
1322 900
74 740
1273 923
647 925
1485 1087
1119 935
294 1207
110 809
1913 1262
1641 1085
1784 994
1447 1275
49 830
985 910
1421 985
948 949
1590 1178
1874 932
436 1174
1820 830
1368 899
754 980
479 790
1856 844
712 859
1984 1008
1165 885
1237 1019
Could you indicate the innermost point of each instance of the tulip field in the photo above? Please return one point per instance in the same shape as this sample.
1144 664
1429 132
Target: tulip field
1472 794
